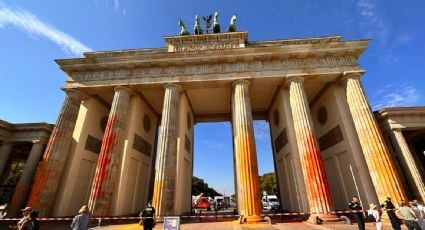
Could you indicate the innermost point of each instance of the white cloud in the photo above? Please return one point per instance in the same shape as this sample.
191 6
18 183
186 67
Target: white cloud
116 5
374 26
395 95
261 130
33 26
212 144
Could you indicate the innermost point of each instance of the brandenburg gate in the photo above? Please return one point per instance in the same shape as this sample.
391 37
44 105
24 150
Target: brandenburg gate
125 132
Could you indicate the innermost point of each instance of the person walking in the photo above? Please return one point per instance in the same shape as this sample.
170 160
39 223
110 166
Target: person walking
355 206
147 217
82 221
419 214
375 215
390 208
408 215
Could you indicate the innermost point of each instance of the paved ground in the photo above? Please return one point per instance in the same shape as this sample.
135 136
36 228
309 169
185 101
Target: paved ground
228 225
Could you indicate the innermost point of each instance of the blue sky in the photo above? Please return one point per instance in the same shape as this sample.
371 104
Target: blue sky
33 34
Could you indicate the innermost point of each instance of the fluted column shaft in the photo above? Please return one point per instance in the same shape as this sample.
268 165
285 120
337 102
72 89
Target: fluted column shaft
378 158
404 151
164 186
248 186
51 168
24 184
109 162
5 150
316 182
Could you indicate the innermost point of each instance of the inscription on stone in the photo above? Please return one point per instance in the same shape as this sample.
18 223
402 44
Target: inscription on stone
141 145
93 144
331 138
205 46
281 140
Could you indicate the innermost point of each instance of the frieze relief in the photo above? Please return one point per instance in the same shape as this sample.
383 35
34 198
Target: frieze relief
254 66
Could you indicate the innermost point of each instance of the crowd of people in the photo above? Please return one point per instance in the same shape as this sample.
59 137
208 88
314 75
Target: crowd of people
412 215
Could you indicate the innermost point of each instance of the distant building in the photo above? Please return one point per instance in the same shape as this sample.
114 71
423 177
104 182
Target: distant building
21 149
327 145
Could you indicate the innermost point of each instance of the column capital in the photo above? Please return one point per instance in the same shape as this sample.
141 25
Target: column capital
397 129
294 78
39 141
123 88
241 81
173 85
75 95
357 74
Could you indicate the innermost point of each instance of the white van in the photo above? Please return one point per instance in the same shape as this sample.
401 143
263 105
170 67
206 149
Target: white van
270 202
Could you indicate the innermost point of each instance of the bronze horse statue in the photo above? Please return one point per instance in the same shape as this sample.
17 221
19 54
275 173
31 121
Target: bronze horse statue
183 30
197 28
232 26
216 25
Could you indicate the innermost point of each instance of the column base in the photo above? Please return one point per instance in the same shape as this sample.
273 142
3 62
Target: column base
320 218
250 219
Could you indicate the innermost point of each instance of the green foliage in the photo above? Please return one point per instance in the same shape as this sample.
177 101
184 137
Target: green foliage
198 186
268 183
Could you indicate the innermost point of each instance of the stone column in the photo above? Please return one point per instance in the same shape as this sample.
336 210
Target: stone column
50 171
5 150
316 181
109 162
248 185
404 151
24 184
378 158
164 186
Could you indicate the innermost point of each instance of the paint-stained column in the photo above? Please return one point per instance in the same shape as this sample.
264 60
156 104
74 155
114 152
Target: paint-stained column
109 162
24 184
248 184
404 151
5 150
378 158
50 171
316 182
164 187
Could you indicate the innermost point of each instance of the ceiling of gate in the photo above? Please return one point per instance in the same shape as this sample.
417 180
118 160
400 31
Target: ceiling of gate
211 100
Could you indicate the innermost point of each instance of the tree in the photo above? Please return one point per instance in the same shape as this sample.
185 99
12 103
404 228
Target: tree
268 183
199 186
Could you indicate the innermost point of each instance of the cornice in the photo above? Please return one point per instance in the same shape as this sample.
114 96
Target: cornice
259 50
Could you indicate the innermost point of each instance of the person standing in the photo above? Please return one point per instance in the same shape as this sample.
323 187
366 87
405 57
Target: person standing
23 222
32 223
409 216
389 206
82 221
147 215
355 206
376 214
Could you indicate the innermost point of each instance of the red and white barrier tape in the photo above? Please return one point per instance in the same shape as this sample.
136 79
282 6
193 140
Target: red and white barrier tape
200 216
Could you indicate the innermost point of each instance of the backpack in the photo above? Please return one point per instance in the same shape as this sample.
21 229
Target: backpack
371 218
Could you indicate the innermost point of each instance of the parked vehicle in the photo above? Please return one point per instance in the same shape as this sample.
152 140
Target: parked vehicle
202 203
270 202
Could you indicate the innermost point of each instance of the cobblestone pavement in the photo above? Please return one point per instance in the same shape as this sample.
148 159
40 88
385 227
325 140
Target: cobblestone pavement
228 225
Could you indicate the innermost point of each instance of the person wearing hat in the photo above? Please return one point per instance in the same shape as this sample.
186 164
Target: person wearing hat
357 210
22 223
375 216
82 221
147 217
